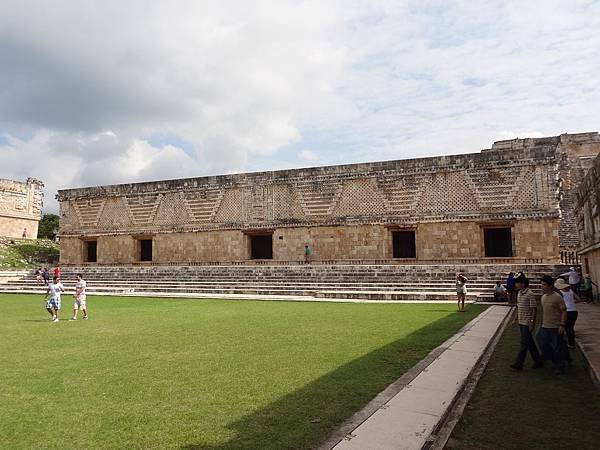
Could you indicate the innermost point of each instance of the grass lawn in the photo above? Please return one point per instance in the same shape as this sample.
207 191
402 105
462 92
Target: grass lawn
532 409
205 374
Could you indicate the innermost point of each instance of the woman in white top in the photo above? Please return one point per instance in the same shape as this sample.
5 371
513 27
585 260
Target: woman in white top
570 298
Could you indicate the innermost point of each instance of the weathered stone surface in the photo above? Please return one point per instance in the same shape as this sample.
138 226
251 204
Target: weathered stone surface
342 212
588 220
20 207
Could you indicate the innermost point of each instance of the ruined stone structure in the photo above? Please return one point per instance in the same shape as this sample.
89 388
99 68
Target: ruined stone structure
20 207
500 205
588 221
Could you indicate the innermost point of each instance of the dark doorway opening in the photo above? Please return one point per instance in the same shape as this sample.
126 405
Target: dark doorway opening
92 251
261 246
145 249
498 242
403 244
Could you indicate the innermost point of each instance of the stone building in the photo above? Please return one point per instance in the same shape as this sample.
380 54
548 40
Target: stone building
588 221
501 205
20 207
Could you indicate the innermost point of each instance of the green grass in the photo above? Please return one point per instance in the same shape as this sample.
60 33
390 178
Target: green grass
532 409
181 373
27 253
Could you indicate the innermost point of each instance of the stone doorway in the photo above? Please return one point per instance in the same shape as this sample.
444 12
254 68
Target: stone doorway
261 246
498 242
91 251
146 250
404 244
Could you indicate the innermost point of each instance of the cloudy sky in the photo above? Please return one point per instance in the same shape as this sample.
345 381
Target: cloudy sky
110 92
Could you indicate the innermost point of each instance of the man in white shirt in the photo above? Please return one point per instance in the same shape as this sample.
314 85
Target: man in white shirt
500 293
80 298
53 298
573 279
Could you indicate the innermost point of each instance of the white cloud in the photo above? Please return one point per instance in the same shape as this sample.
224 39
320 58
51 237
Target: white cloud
255 85
308 155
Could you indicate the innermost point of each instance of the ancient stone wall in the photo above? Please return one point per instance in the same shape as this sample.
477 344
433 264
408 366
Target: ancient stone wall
575 154
20 207
587 214
343 212
533 241
482 186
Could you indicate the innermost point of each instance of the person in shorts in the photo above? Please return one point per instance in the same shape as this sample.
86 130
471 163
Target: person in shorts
46 276
53 298
80 298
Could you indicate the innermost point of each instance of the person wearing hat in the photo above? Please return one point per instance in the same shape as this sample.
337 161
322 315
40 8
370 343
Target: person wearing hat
570 298
526 314
573 278
554 317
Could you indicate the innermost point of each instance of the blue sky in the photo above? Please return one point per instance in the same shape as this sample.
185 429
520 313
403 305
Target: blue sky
140 90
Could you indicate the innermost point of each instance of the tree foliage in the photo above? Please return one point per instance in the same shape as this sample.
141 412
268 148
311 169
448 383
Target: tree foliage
48 226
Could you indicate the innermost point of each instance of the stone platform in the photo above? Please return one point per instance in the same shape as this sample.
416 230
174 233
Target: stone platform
587 334
409 414
306 282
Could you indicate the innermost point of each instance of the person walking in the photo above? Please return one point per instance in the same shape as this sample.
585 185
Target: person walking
573 279
570 298
46 276
511 289
461 291
80 298
550 335
53 298
526 316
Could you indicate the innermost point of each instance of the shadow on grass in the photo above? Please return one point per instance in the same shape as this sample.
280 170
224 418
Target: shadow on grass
304 418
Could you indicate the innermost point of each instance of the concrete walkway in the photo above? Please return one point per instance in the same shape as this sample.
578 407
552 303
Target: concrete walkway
410 417
587 335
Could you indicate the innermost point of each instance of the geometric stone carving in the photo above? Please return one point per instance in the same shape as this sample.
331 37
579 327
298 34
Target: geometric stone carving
142 208
231 209
319 198
89 210
493 188
447 192
401 193
114 215
172 210
202 205
360 197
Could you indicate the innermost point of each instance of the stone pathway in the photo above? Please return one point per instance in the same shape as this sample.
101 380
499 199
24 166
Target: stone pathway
587 334
411 416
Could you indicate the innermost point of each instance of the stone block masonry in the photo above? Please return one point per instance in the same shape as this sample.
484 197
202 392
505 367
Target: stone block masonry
20 207
503 202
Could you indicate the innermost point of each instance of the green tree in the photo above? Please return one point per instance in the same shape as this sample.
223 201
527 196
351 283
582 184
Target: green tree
48 226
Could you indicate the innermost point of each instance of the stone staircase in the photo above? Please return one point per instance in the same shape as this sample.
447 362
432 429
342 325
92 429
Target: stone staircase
306 282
